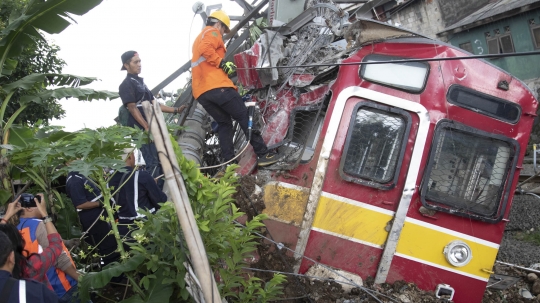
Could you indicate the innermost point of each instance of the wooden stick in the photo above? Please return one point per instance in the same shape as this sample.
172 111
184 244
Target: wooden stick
178 194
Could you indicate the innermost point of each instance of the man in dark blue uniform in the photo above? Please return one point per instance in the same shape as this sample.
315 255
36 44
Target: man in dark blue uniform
132 92
19 291
85 197
139 191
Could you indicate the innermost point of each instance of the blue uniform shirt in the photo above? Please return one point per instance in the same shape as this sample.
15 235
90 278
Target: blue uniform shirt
133 90
78 193
35 291
139 191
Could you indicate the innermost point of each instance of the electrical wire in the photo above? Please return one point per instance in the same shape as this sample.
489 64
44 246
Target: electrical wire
225 163
401 61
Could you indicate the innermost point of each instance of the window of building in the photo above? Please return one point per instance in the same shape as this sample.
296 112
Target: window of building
500 43
375 145
467 172
506 43
535 32
467 46
493 45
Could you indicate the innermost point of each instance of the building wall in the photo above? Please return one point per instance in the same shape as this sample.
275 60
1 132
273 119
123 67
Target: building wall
421 16
524 68
454 10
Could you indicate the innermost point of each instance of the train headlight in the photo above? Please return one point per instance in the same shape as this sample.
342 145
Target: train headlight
458 253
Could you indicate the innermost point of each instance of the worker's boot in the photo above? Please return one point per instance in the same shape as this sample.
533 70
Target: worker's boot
268 159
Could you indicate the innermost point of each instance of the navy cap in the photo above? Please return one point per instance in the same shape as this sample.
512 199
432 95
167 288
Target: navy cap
126 57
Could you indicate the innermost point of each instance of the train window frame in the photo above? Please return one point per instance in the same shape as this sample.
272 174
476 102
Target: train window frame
504 190
486 97
402 146
362 70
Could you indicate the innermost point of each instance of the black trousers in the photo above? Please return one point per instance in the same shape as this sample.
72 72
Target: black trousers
99 233
151 158
223 104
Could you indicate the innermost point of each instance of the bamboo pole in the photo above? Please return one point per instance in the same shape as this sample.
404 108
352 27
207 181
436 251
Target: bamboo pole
178 194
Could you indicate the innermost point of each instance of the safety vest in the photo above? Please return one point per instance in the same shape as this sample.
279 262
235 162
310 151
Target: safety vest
206 74
60 282
27 228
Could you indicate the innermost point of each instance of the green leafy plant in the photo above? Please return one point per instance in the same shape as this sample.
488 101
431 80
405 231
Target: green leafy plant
159 253
23 30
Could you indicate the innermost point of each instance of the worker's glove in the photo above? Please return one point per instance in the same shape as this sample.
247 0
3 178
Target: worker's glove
228 67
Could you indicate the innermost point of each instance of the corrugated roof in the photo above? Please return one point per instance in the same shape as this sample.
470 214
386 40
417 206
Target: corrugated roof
490 10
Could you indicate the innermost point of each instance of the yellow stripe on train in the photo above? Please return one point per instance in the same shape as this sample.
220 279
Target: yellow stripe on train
426 242
352 220
419 241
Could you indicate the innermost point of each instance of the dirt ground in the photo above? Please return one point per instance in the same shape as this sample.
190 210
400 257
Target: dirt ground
301 289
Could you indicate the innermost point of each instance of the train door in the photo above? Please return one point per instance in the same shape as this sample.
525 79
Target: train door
364 182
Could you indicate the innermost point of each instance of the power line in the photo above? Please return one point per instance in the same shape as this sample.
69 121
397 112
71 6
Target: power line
489 56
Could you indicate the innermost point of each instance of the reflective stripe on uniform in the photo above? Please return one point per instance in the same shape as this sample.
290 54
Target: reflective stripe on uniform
201 58
138 215
22 291
136 199
199 61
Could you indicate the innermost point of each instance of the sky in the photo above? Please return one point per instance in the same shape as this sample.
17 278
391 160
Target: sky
159 30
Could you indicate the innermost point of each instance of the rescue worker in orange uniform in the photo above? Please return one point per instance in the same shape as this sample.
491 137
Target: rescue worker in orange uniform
216 92
63 276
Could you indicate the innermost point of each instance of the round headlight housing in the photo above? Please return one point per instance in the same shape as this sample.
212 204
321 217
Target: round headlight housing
458 253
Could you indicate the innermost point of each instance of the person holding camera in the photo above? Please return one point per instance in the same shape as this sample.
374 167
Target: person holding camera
19 291
63 276
32 266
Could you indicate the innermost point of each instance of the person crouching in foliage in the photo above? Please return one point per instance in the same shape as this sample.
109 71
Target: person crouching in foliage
85 196
139 191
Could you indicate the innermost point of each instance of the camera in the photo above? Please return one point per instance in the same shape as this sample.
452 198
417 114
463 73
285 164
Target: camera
27 200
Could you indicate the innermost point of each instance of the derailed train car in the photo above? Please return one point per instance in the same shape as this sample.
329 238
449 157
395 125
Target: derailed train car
396 171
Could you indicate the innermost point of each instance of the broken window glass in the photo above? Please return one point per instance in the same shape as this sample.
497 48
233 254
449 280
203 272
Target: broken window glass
374 146
467 171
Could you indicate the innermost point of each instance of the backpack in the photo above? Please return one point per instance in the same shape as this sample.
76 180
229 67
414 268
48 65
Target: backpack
123 115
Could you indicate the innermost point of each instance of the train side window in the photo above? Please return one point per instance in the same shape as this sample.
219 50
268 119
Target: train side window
407 76
375 145
303 135
484 104
467 172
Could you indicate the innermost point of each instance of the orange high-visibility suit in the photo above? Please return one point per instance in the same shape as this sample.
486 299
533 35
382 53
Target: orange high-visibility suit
208 51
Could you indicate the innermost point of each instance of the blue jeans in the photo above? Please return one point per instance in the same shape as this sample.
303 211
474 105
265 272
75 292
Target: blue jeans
223 104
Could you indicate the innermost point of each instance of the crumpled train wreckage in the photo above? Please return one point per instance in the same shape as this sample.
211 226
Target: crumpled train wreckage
292 101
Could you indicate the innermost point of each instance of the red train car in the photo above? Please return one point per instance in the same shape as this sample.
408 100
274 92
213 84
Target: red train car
408 169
